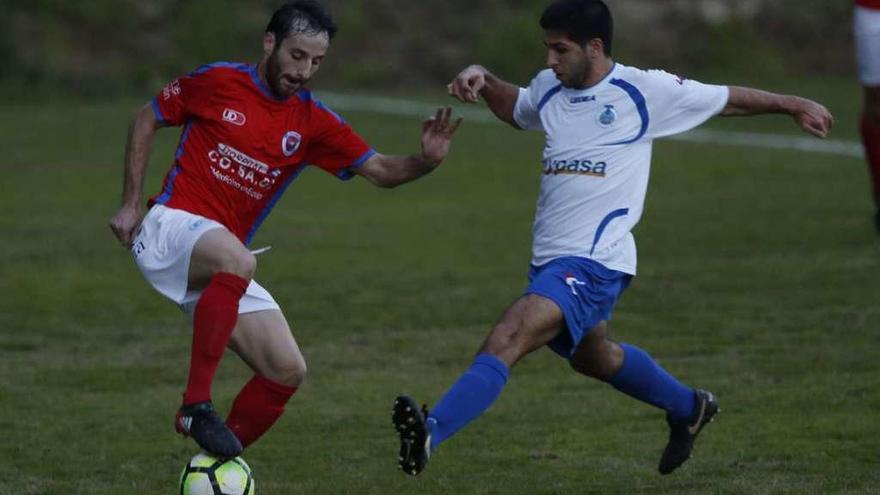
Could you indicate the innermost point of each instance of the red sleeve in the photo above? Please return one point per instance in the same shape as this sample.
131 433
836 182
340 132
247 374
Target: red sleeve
181 99
336 147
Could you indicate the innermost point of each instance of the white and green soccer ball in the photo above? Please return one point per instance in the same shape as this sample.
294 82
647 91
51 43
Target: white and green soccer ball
207 475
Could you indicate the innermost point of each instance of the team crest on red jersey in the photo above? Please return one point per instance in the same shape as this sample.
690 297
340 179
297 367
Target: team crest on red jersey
290 143
234 117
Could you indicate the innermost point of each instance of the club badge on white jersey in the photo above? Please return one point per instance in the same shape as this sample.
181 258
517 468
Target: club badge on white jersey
607 116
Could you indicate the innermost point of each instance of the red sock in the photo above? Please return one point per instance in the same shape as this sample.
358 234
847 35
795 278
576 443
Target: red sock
213 322
259 404
871 140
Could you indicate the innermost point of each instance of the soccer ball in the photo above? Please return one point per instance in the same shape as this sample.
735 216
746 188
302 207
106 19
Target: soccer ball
207 475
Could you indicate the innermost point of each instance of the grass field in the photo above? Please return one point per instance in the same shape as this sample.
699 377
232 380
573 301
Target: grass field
759 280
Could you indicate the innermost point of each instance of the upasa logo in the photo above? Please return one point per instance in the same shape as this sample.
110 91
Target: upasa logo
574 167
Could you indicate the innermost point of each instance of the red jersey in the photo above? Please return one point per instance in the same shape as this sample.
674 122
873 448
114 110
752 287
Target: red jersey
241 146
871 4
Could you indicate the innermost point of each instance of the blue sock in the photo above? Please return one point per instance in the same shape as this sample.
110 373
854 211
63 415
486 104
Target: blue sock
472 394
642 378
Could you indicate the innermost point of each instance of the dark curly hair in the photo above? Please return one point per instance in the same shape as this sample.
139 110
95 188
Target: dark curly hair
301 16
580 20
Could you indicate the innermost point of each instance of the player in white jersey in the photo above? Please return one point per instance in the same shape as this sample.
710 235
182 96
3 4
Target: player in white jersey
600 119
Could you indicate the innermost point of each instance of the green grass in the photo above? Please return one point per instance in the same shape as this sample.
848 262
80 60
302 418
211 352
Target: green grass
759 279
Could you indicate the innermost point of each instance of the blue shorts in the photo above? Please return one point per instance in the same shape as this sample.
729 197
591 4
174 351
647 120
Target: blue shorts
584 290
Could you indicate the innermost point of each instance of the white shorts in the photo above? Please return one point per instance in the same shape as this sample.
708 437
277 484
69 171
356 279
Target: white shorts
866 29
162 249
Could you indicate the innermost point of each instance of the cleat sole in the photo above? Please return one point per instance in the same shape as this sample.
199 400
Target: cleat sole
409 422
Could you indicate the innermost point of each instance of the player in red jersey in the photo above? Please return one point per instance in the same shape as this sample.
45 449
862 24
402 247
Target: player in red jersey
866 28
249 130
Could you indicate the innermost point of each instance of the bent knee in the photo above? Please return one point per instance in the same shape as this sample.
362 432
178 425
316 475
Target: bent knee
597 358
599 369
503 339
243 264
291 373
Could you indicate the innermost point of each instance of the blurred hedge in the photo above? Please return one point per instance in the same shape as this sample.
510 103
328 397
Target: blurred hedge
120 47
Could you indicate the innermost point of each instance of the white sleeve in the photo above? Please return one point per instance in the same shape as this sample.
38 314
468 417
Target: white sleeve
525 112
676 105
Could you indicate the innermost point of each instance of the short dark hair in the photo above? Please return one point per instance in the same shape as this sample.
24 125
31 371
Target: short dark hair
301 16
580 20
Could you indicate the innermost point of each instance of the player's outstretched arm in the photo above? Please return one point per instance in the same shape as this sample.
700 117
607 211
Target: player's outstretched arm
137 153
476 80
391 171
812 117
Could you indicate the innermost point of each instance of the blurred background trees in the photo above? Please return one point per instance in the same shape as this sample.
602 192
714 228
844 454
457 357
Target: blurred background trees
98 48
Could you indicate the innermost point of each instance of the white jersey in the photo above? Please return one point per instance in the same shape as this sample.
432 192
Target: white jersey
597 156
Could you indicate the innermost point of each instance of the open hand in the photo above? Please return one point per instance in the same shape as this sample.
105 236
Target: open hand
437 134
